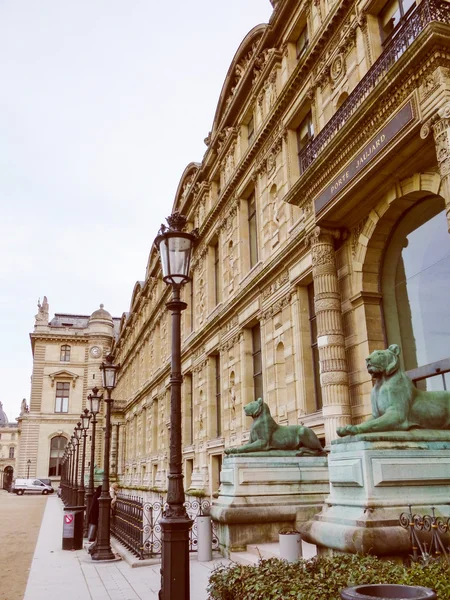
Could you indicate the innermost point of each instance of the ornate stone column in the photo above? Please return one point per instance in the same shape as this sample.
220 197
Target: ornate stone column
441 131
330 335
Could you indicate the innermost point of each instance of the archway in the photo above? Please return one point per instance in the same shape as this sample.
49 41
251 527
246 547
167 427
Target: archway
8 474
401 261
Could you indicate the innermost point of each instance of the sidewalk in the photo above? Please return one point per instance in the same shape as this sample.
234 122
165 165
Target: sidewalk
57 573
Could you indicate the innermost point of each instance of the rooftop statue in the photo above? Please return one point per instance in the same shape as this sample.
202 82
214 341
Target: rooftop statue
397 405
267 438
43 311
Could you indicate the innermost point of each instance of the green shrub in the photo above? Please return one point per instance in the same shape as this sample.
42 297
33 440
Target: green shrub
321 578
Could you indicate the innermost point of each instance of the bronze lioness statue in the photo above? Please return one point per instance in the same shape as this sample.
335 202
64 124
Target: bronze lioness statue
266 434
397 405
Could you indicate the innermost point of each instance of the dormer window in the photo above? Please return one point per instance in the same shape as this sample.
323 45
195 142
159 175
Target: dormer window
302 42
65 353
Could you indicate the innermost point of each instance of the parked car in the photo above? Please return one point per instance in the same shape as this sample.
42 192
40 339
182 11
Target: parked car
34 486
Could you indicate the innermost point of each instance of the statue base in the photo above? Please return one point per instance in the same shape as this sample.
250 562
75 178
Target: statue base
373 479
259 495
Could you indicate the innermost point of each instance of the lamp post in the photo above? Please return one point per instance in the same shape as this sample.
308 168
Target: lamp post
76 443
85 418
103 548
94 407
28 468
71 464
175 248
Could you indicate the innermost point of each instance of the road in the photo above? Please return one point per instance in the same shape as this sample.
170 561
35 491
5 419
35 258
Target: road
20 520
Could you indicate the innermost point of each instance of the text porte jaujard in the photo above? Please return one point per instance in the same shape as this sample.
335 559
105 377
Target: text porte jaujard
363 158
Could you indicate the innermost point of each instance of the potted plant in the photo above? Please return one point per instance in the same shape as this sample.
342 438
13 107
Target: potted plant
290 544
388 592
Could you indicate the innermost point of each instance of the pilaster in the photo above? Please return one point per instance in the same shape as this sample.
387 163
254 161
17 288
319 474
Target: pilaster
441 131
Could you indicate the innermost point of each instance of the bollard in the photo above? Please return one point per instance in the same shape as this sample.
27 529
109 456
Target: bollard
384 591
204 533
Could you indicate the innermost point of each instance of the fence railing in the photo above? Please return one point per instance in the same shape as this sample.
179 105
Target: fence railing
414 24
428 535
136 524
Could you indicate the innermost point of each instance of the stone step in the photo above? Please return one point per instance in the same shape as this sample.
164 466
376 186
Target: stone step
257 551
244 558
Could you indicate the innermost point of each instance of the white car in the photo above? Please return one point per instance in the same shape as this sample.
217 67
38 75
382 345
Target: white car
35 486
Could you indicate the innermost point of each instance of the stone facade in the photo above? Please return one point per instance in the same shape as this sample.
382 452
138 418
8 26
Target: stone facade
67 352
326 165
316 154
9 441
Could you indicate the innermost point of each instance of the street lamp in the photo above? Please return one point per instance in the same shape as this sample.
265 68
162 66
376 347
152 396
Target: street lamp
84 426
103 547
175 248
28 468
94 407
76 443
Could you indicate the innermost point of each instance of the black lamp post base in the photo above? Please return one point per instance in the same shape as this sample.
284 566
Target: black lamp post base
175 558
104 554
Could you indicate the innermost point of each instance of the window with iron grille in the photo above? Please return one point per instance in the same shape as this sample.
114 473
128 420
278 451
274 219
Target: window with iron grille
257 362
314 347
252 231
218 397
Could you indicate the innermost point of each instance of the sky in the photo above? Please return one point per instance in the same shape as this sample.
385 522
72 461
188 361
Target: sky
103 103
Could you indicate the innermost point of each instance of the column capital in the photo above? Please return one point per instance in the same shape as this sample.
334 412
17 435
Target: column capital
323 234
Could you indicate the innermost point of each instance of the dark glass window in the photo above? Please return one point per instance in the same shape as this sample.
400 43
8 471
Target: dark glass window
302 42
57 446
252 231
218 398
391 15
305 132
314 347
250 131
11 452
65 353
62 397
257 362
217 297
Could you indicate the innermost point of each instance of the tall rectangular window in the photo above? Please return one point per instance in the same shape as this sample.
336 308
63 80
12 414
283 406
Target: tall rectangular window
11 452
392 15
218 398
305 132
62 397
64 355
314 347
302 42
250 131
252 231
217 282
257 362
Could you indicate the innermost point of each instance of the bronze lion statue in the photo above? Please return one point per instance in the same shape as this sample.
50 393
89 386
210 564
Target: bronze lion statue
397 405
266 434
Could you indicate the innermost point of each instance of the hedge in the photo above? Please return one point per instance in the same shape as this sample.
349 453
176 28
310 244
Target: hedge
321 578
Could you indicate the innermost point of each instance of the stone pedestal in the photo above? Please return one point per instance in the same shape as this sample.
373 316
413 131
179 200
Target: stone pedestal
259 495
373 479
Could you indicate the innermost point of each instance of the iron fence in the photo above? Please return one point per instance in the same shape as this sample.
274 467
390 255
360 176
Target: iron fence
427 535
136 524
415 23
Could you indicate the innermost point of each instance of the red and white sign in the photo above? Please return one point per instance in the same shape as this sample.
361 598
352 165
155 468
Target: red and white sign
68 518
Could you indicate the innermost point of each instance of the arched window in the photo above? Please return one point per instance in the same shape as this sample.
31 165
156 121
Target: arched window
65 353
416 287
57 445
